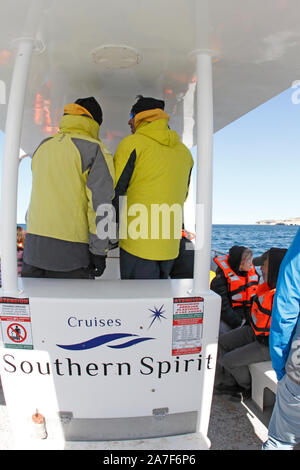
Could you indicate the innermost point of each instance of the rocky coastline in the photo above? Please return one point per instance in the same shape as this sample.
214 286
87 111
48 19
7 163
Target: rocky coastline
294 221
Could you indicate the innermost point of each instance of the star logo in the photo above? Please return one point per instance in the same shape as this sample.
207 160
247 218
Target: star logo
157 314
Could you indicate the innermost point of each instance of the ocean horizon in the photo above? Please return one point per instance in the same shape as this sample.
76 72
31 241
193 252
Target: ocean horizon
258 238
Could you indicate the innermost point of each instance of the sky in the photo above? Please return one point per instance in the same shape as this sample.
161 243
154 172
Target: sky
256 165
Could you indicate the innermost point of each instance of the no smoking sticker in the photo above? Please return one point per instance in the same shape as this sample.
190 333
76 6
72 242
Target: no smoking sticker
16 333
16 323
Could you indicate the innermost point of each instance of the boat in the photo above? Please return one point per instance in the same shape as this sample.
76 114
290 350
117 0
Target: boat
104 363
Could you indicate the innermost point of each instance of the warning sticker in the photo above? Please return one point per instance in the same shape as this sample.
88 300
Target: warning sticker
187 325
15 322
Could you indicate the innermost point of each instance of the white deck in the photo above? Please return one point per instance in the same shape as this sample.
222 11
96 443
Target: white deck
245 425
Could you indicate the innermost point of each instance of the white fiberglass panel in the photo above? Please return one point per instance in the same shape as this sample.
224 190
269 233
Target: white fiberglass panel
114 357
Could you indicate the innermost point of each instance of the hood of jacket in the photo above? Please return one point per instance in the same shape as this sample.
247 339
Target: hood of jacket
154 124
76 124
276 255
159 131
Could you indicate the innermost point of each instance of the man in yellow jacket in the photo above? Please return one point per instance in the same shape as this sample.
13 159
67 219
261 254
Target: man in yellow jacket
152 171
72 175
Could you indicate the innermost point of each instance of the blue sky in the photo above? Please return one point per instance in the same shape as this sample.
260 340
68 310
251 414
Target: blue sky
24 185
256 166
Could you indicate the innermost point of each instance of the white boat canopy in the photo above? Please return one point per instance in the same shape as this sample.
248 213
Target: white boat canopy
117 51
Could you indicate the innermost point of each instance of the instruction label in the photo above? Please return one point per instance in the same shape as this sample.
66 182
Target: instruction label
15 323
187 325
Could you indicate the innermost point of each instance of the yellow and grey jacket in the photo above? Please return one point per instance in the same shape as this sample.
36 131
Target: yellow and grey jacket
72 174
152 170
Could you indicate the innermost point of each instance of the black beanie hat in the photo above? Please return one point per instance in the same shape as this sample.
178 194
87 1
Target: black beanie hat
145 104
235 256
92 106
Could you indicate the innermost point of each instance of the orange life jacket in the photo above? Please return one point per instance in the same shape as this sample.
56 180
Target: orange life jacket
188 235
241 289
261 310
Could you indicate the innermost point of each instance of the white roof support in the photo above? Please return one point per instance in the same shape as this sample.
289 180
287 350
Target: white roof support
204 171
10 166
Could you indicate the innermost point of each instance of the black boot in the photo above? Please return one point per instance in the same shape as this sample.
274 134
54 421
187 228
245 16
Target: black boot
226 389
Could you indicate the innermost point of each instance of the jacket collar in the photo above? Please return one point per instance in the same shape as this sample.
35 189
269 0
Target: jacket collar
149 116
79 125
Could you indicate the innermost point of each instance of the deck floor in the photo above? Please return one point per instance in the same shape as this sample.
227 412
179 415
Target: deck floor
233 425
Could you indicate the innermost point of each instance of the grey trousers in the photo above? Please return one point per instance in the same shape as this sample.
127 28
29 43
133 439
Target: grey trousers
33 271
237 349
284 426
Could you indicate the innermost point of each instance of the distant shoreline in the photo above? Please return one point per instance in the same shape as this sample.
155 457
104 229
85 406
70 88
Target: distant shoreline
294 221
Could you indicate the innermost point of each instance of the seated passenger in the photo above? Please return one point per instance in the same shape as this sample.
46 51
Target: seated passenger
243 346
236 282
20 251
20 248
183 267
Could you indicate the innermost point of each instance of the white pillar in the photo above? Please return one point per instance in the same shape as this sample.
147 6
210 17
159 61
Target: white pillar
10 165
204 171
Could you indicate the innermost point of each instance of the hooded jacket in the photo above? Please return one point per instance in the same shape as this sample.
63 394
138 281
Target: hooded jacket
72 174
152 170
285 324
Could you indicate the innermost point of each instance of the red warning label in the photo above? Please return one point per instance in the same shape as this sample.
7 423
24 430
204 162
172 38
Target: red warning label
187 325
15 322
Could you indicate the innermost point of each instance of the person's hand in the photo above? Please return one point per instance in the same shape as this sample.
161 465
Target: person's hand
99 263
113 244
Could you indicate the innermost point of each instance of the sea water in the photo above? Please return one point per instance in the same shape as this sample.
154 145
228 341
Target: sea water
257 237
